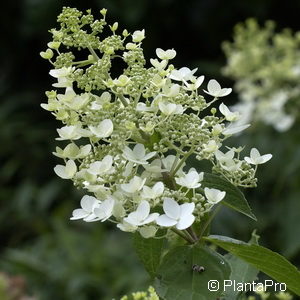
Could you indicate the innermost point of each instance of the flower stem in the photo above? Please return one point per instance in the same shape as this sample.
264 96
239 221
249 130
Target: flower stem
184 236
182 162
217 209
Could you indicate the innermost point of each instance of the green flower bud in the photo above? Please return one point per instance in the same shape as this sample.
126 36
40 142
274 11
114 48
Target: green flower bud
103 12
54 45
48 54
125 33
114 27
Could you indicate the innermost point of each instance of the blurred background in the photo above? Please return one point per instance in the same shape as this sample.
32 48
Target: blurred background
42 253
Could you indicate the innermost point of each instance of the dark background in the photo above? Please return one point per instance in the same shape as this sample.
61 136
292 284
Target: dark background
60 259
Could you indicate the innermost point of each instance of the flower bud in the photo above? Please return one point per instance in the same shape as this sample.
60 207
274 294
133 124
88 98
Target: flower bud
114 27
48 54
125 33
54 45
103 12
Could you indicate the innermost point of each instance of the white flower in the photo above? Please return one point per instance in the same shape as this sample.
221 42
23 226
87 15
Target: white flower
191 179
73 151
211 146
79 101
231 165
215 90
177 215
138 154
257 159
214 196
165 54
69 133
229 115
88 204
183 74
138 36
170 108
62 76
66 172
159 65
158 81
217 129
233 129
67 97
171 90
104 210
226 160
62 72
100 101
195 83
224 157
102 167
142 215
154 192
134 185
103 130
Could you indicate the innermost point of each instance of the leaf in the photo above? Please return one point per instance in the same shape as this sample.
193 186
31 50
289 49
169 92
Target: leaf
267 261
241 271
149 252
176 279
234 198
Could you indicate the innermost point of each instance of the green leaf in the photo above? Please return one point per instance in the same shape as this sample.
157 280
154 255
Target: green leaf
241 271
267 261
176 280
234 198
149 252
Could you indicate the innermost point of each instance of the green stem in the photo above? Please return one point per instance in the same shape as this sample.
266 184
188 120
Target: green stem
217 209
181 234
182 162
192 233
96 57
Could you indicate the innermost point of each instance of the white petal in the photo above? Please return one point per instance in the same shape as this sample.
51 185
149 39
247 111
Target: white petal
61 172
78 214
149 155
158 188
224 109
143 209
139 151
248 160
232 129
160 53
150 218
88 203
186 209
224 92
254 154
107 127
266 158
185 222
165 221
71 168
213 86
171 208
133 219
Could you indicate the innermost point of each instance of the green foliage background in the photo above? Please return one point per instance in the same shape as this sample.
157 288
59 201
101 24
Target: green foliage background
60 259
